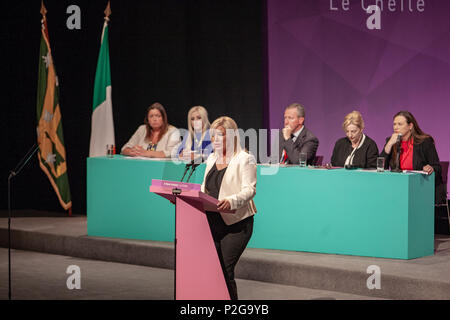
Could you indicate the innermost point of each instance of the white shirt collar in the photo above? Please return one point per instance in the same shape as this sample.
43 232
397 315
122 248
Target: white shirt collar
296 134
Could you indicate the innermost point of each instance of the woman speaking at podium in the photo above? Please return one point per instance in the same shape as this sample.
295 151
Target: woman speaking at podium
230 177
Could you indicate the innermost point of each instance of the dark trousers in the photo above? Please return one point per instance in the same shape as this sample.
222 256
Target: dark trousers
230 243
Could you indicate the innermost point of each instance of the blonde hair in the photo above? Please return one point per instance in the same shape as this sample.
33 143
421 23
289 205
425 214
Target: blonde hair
203 113
354 118
230 126
205 125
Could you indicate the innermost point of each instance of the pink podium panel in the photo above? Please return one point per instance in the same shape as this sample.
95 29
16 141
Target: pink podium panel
198 272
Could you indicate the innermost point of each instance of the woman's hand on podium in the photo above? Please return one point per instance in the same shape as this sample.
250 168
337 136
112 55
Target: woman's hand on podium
428 169
223 205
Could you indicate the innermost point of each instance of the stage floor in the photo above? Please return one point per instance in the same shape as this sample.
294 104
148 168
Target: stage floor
276 274
42 276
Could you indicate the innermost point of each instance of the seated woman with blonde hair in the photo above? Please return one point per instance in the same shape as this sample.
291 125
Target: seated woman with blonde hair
230 177
356 149
156 138
197 143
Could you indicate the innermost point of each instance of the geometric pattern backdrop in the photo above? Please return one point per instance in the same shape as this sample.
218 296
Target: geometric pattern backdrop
330 62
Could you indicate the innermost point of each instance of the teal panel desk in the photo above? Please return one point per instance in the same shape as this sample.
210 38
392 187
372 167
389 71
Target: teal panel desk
356 212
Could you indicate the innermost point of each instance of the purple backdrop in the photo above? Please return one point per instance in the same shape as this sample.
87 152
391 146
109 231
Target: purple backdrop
330 62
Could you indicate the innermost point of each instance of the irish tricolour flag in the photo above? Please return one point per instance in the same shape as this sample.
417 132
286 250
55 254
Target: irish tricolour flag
102 132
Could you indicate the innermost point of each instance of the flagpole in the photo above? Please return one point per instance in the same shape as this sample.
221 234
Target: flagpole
107 14
9 236
108 11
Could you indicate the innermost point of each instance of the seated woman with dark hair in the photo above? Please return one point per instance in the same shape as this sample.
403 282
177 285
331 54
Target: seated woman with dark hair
417 150
356 149
156 138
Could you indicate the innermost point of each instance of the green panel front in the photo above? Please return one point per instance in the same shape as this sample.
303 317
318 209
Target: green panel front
119 203
301 209
421 216
332 211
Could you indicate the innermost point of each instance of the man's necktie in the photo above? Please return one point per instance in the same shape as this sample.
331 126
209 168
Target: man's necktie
283 161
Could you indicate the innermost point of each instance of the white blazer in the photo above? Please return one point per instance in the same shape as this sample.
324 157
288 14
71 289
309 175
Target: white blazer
238 185
168 141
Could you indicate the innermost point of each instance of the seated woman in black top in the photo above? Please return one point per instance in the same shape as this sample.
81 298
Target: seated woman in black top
357 149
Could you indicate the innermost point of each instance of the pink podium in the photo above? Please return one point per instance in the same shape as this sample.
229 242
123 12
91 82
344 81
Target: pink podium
198 273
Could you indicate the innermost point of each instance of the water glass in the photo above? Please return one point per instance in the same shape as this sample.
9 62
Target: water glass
110 150
303 158
380 164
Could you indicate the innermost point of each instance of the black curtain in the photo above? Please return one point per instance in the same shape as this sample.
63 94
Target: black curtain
180 53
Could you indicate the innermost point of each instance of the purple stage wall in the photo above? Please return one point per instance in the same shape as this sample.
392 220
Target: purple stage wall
330 62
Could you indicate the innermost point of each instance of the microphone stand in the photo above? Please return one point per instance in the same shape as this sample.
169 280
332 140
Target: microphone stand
397 157
188 165
194 166
176 192
195 163
12 174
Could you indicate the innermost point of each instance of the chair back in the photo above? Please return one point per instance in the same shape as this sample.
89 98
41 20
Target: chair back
444 167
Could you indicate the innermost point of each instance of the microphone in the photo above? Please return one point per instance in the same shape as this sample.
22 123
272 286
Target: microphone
194 166
397 158
186 168
12 174
399 144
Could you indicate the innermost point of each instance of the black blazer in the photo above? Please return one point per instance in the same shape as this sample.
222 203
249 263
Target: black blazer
365 157
305 142
423 154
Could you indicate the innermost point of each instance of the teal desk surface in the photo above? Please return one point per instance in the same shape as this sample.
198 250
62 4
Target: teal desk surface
338 211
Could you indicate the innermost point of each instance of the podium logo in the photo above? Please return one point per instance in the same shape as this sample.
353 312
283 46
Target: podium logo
74 280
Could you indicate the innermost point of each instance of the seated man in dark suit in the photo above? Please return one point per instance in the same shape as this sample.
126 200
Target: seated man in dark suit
295 138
